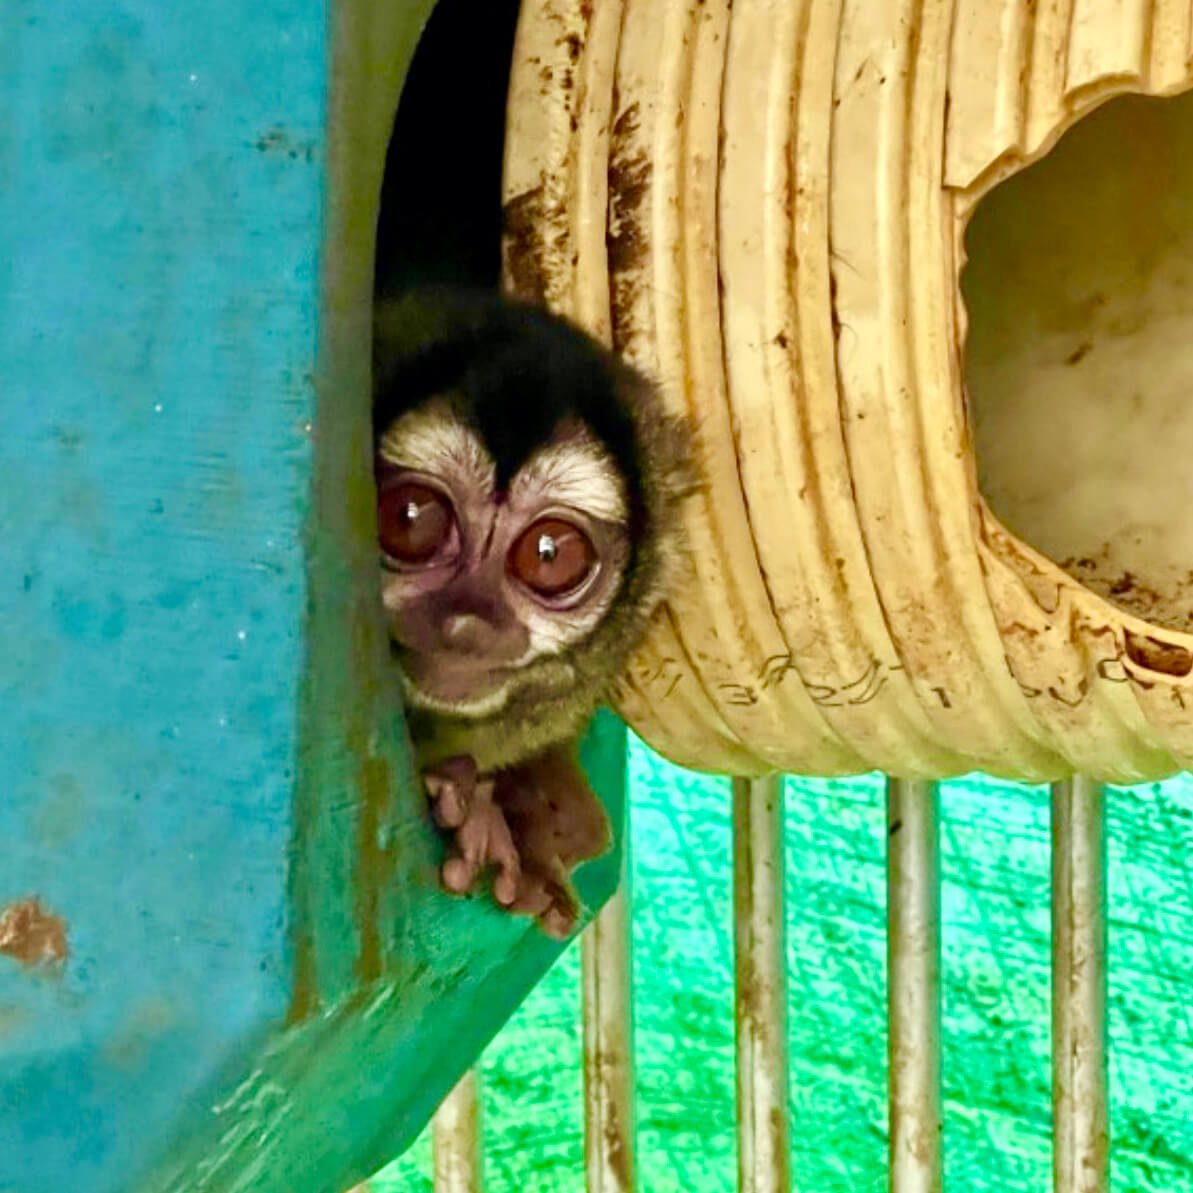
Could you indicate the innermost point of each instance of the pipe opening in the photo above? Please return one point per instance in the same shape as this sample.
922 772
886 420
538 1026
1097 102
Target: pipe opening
1079 363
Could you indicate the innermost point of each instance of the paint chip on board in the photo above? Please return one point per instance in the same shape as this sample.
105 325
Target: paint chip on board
32 935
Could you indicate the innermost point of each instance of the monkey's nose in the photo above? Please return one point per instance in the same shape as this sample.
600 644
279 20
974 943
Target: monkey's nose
467 633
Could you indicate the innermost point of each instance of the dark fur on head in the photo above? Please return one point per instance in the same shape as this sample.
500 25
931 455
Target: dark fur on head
513 373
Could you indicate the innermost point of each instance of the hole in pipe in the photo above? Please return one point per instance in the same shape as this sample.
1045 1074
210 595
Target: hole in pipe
1079 363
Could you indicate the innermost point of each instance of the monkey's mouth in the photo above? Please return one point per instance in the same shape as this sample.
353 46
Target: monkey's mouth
453 686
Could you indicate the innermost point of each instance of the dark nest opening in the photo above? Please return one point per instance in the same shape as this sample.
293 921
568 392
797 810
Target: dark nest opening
1079 363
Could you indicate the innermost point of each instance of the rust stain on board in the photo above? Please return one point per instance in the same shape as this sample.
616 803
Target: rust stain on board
32 935
373 858
374 866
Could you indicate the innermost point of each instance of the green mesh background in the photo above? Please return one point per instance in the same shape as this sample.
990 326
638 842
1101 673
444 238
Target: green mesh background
996 1006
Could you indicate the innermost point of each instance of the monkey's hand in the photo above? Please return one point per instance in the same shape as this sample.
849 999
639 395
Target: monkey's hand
535 822
462 801
556 822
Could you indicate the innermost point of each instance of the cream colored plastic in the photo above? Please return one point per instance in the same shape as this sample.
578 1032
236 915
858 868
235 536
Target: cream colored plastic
764 206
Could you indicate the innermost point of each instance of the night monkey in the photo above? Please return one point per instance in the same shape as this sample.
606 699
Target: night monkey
528 485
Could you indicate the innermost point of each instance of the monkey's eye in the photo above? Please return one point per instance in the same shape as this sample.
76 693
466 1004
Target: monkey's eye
414 521
552 557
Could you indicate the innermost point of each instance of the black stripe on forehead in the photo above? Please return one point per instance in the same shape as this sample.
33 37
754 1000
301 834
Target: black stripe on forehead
543 375
515 374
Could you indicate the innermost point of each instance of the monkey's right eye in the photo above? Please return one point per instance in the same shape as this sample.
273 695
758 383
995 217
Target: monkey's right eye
414 521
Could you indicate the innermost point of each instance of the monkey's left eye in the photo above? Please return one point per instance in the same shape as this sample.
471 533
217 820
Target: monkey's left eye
552 557
414 521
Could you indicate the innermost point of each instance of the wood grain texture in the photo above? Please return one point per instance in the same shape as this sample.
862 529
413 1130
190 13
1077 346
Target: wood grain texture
1044 97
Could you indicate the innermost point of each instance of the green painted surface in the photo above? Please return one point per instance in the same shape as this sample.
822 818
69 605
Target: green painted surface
329 1099
204 767
996 1012
397 987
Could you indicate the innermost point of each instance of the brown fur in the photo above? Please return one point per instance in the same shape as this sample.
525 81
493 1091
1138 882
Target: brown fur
557 695
508 784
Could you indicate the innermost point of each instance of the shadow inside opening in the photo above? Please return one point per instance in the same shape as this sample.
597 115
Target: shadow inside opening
1079 361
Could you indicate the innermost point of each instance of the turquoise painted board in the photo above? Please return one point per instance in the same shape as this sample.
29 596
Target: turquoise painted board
203 778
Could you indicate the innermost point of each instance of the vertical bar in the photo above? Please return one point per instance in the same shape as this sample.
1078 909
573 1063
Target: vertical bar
608 1051
1080 1107
763 1164
913 985
605 966
456 1139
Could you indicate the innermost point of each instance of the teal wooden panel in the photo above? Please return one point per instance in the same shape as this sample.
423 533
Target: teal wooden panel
202 762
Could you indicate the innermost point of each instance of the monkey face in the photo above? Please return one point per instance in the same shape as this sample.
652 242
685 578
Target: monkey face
480 583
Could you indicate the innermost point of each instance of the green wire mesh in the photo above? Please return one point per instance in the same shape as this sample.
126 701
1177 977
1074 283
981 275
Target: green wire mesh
995 845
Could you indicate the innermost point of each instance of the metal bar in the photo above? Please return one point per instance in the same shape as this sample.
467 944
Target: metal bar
763 1163
913 986
608 1049
1080 1107
456 1140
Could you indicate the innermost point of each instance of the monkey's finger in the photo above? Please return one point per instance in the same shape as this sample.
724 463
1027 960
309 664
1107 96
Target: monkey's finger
532 897
505 885
558 918
558 922
484 836
458 875
448 805
452 787
504 854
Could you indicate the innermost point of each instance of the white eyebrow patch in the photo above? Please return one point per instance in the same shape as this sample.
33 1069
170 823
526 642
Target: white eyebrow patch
578 473
432 439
